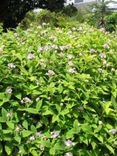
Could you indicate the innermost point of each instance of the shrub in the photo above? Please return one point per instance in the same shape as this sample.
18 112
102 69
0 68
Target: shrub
44 17
111 22
58 92
70 10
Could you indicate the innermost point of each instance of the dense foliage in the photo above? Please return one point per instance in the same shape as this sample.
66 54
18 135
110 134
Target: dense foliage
58 92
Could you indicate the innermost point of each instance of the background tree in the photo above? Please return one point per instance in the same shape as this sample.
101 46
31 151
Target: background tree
101 9
16 10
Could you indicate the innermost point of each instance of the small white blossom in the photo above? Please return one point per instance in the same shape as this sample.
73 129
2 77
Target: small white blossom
37 99
102 55
9 115
70 63
106 46
9 90
72 70
18 128
32 138
31 56
26 100
11 65
68 154
38 134
54 134
92 51
113 131
112 69
70 57
100 122
50 73
63 48
69 143
40 49
100 70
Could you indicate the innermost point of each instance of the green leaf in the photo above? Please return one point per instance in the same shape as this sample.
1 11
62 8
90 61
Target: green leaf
29 110
8 149
10 125
34 153
76 127
19 96
25 124
18 139
110 149
114 103
1 149
26 133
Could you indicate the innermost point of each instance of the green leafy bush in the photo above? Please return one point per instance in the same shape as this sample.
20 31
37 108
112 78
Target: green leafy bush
58 92
70 10
111 22
44 17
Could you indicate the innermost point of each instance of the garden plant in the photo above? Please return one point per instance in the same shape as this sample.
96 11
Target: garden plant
58 91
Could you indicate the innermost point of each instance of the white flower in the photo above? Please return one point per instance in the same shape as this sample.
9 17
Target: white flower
11 65
112 69
54 46
100 122
106 46
74 28
70 57
31 56
54 134
40 49
38 134
70 63
113 131
68 154
18 128
9 90
72 70
63 48
26 100
100 70
50 73
92 51
9 115
32 138
37 99
69 143
102 55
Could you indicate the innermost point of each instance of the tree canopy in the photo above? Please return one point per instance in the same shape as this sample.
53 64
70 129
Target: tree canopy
12 11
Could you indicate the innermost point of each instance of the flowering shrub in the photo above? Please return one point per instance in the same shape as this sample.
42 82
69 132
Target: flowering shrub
58 92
